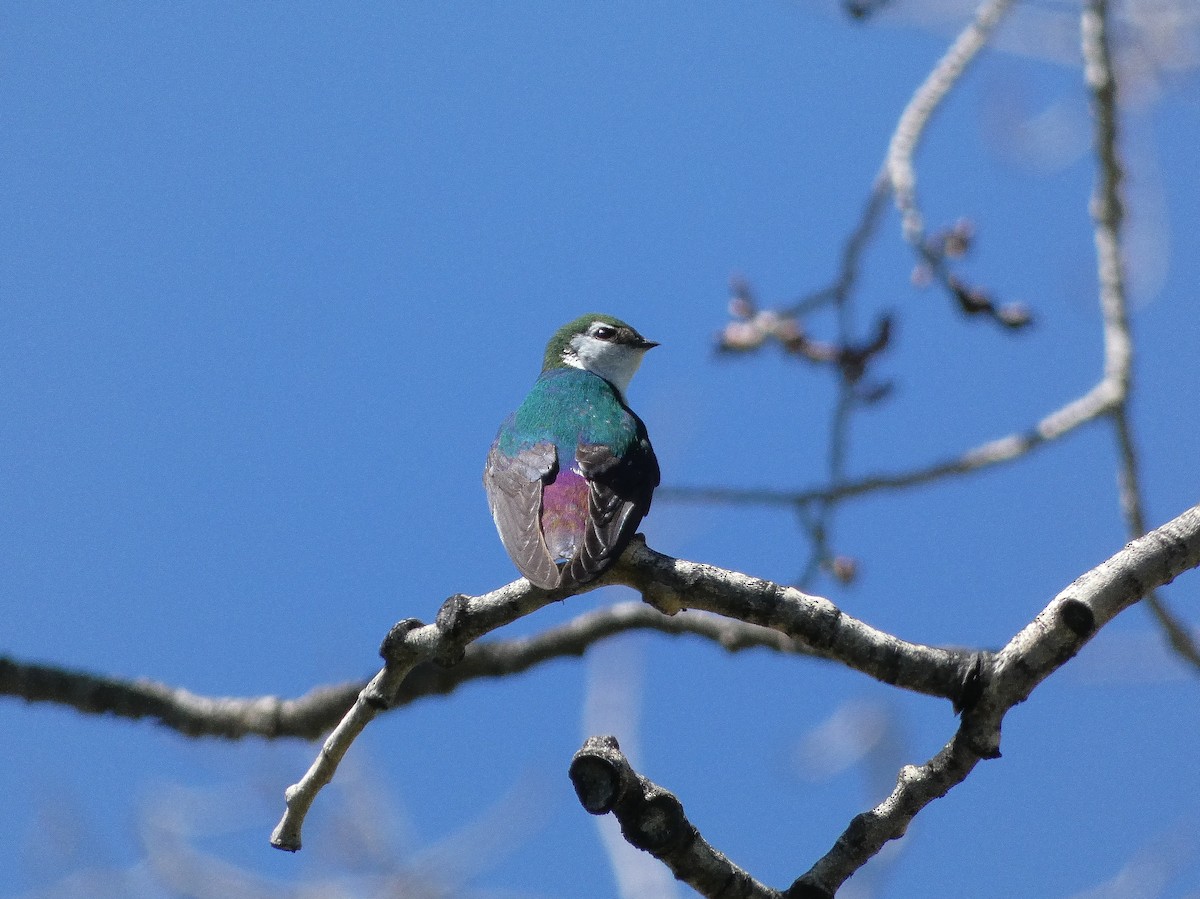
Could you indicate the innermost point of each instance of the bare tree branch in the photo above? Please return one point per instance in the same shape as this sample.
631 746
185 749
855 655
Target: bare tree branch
1108 213
1107 208
920 109
504 657
652 819
1108 398
309 716
315 713
1041 648
671 585
898 177
1097 402
751 327
852 253
901 172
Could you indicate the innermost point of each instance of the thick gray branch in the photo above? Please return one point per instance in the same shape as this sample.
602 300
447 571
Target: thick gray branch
653 819
673 584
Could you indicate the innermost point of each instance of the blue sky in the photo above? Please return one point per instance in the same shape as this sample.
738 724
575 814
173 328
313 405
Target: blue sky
271 275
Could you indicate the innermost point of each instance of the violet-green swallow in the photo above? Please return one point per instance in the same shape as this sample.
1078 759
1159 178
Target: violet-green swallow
571 472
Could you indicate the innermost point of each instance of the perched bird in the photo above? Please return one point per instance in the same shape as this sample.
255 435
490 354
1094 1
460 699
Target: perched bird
571 472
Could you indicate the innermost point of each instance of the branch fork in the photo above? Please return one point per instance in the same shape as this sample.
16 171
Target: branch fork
982 685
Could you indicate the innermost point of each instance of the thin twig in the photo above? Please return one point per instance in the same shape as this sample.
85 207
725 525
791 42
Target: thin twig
1108 214
856 244
312 715
898 178
307 717
920 109
820 524
1098 401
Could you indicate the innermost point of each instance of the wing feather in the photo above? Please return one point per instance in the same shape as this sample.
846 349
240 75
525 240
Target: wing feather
514 490
620 489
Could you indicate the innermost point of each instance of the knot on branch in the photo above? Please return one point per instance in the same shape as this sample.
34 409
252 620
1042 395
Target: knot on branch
595 776
651 818
974 680
450 619
1078 618
394 649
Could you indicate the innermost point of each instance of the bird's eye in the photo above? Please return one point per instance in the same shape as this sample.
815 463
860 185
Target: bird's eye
604 333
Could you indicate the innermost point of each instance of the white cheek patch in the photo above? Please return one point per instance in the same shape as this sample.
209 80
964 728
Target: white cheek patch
614 362
590 350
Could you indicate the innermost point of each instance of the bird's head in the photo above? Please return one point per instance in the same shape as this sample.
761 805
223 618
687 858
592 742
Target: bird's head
601 344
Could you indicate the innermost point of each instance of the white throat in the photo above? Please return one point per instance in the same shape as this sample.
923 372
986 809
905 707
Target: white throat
614 362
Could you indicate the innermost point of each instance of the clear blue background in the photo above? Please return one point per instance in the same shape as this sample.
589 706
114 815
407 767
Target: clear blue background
271 275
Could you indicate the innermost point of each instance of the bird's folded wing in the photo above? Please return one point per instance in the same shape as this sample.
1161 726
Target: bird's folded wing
514 490
619 492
